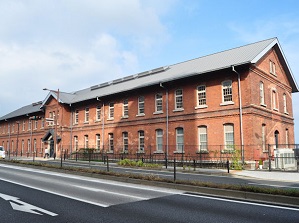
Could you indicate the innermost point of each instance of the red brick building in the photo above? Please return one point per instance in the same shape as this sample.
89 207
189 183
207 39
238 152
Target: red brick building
235 100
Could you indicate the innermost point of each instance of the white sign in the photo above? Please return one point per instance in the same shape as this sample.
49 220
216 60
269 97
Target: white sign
18 205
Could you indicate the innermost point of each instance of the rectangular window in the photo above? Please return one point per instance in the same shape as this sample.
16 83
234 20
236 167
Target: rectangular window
86 141
35 124
272 68
125 108
111 142
159 102
76 143
287 138
141 105
141 141
125 142
180 140
264 137
274 98
42 123
111 110
262 94
179 99
227 91
28 146
76 117
86 115
98 113
285 104
159 140
98 141
201 95
229 136
202 138
29 124
23 128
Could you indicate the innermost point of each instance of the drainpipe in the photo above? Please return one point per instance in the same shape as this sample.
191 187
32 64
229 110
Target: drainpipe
241 116
103 122
71 132
167 120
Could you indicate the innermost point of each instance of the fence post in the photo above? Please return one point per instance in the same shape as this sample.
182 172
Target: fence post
227 165
269 156
174 170
194 164
107 163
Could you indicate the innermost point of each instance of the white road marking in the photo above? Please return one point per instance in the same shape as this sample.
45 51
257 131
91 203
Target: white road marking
18 205
109 182
272 185
111 192
59 194
241 202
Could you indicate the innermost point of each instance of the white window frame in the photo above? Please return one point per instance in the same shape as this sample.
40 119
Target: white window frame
111 111
201 96
141 141
178 94
158 103
141 106
272 67
202 138
264 137
111 142
86 117
76 142
98 113
227 92
125 108
274 96
76 116
229 138
262 94
159 140
86 142
179 132
98 141
285 108
125 141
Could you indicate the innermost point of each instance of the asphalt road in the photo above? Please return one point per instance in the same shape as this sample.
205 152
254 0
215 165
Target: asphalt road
31 195
188 176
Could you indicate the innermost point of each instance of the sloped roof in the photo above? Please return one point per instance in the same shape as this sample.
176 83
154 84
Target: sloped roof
248 54
26 110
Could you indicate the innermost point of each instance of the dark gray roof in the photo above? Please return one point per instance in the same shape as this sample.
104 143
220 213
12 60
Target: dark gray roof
26 110
248 54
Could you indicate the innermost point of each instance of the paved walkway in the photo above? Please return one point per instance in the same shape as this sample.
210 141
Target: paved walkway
260 174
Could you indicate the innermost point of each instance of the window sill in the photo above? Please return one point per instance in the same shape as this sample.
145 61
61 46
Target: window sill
158 152
178 110
179 152
201 106
110 119
286 113
203 152
86 122
96 121
158 113
140 115
263 105
110 152
227 103
140 152
125 117
275 109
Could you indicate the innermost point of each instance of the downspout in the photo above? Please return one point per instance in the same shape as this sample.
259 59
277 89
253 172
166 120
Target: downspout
241 114
71 132
103 123
167 121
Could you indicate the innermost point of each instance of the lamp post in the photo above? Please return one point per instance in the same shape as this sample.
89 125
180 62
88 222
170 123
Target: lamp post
55 119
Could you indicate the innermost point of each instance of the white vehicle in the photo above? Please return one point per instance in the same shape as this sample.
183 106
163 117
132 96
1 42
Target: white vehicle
2 152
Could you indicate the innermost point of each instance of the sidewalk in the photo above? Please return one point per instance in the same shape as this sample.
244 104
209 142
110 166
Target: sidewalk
259 174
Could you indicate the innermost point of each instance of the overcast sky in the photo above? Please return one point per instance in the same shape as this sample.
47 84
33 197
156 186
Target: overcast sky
74 44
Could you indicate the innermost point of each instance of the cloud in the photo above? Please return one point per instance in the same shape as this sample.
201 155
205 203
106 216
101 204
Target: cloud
72 45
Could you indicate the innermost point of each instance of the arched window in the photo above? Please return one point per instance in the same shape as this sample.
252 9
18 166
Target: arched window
159 140
262 93
202 138
229 136
179 139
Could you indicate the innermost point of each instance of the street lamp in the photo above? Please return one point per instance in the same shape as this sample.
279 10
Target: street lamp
55 119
